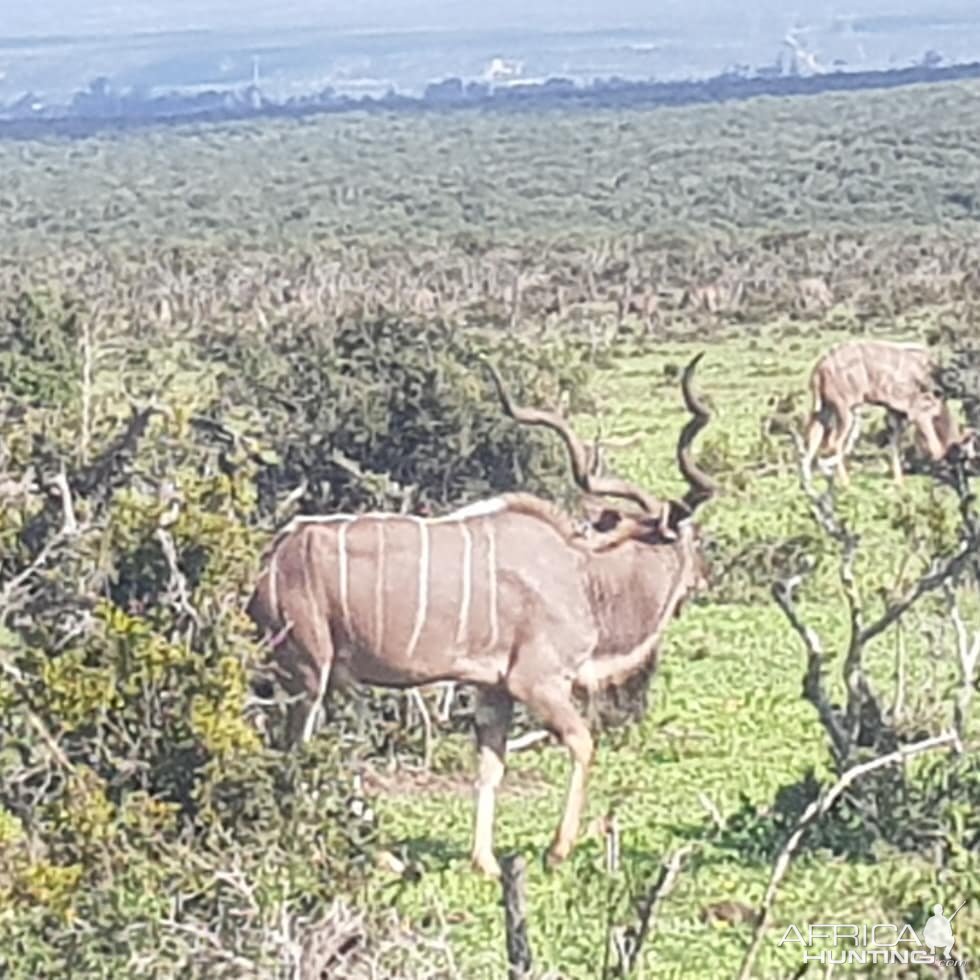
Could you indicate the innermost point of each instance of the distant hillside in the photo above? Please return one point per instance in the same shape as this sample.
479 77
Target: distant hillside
100 108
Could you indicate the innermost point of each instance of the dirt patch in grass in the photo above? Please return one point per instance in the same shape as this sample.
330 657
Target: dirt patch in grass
412 783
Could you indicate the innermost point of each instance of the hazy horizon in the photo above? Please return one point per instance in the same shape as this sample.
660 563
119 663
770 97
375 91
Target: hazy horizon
55 47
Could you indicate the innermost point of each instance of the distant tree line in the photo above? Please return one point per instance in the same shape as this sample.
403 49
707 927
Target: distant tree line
100 107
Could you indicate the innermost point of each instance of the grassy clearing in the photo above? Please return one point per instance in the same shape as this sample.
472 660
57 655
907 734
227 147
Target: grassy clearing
727 721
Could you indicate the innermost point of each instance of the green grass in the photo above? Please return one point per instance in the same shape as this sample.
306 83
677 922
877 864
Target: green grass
726 722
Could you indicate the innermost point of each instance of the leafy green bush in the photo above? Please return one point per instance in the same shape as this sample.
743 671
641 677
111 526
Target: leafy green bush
146 823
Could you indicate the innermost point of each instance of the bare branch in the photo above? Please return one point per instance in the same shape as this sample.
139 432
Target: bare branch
844 730
8 601
968 650
294 496
69 525
88 358
648 908
941 571
178 582
612 843
213 942
57 753
416 697
379 484
446 704
712 809
813 813
813 686
898 703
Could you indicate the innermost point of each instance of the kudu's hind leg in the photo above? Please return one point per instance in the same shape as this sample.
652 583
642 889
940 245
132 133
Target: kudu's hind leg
813 439
842 435
820 433
850 441
318 703
304 706
494 709
308 664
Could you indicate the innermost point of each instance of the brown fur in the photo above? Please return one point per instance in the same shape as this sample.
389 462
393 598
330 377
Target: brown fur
508 595
896 377
545 510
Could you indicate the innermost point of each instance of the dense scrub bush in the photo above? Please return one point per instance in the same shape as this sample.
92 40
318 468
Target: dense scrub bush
959 372
147 825
419 421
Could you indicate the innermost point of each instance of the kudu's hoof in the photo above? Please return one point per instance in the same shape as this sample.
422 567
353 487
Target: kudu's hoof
485 865
554 856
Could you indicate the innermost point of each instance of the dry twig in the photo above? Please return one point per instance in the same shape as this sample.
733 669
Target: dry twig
629 942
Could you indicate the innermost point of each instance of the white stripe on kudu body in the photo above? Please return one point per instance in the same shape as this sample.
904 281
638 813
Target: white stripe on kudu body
342 573
482 508
492 580
379 590
464 604
423 599
273 586
463 517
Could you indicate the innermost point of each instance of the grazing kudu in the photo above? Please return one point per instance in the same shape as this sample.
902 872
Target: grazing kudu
893 376
509 594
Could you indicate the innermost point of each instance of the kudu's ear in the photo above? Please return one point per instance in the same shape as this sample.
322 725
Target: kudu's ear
656 530
606 520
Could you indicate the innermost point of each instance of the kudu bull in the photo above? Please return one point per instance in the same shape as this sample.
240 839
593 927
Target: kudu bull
508 594
893 376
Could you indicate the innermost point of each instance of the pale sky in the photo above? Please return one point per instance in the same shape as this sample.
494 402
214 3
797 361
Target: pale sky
22 17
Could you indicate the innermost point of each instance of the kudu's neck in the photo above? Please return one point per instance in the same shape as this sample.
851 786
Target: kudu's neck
634 591
949 430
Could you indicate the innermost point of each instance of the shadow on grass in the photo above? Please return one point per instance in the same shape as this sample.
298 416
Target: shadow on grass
430 853
888 809
755 834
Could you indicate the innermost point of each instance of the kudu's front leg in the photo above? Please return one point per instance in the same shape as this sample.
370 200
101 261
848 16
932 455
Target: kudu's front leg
581 749
494 710
896 427
557 711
